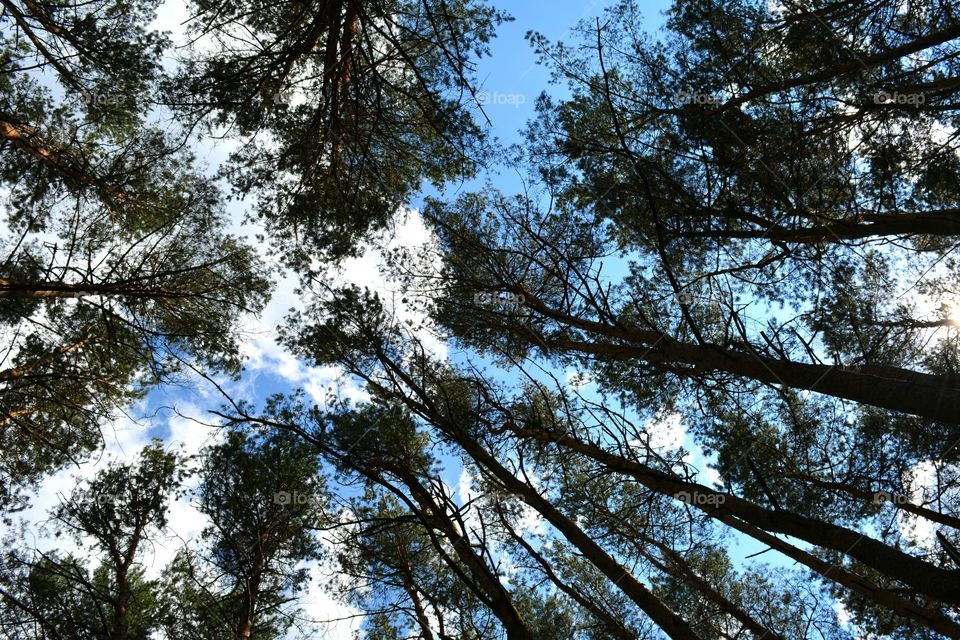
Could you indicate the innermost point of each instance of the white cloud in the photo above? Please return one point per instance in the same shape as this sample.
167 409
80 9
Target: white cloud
666 432
577 380
336 619
919 483
408 231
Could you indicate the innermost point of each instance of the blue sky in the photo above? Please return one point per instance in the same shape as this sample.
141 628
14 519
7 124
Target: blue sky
510 78
510 82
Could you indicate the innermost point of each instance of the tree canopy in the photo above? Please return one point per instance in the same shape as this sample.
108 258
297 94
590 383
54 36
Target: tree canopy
697 377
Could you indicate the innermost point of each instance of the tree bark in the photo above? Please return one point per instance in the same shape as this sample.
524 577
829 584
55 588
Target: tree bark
933 223
14 373
27 139
922 576
252 588
936 397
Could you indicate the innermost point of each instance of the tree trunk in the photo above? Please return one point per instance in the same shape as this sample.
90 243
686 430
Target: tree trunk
922 576
884 598
934 223
857 64
54 289
499 600
28 139
418 610
870 496
671 623
936 397
921 394
13 373
120 621
252 589
613 626
680 569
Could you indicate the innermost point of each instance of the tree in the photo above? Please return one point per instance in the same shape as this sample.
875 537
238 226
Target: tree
735 215
555 433
739 234
389 567
738 126
116 270
117 513
263 496
756 131
387 87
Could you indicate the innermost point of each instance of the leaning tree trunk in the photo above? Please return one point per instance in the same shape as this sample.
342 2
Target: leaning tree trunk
921 394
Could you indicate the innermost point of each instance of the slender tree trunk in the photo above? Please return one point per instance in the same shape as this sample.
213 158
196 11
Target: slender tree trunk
252 589
936 397
406 571
921 394
331 76
419 612
870 496
350 24
10 417
614 626
28 140
486 583
676 566
13 373
833 572
499 600
882 597
856 64
934 223
671 623
54 289
922 576
120 619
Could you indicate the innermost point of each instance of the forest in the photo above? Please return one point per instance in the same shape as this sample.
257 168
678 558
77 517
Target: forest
298 340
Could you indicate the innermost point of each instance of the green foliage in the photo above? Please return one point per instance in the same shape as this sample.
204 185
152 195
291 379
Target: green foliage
263 496
117 513
117 272
61 601
744 226
344 108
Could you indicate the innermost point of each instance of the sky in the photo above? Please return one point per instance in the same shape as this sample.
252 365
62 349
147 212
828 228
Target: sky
510 81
